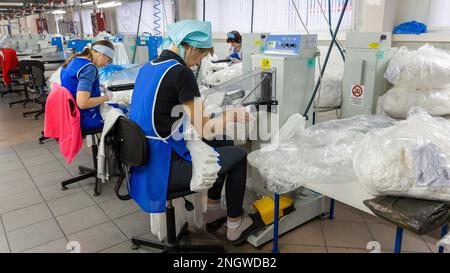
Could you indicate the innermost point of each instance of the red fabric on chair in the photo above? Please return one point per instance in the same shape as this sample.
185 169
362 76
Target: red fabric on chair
9 63
62 122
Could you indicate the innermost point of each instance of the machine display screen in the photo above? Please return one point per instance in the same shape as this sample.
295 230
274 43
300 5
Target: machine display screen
272 44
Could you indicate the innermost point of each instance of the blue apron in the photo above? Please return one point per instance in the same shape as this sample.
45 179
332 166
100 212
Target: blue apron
89 118
148 184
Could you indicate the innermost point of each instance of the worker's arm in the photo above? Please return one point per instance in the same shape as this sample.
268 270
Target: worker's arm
86 78
84 100
207 127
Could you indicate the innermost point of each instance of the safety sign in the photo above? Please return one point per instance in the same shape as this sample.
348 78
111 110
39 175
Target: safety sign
357 96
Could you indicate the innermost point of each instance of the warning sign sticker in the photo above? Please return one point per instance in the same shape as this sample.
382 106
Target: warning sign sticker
357 96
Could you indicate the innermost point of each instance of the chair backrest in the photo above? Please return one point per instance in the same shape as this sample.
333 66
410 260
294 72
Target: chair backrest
35 69
130 143
130 149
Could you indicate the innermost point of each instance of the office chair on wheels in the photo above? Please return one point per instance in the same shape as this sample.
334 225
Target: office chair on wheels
130 148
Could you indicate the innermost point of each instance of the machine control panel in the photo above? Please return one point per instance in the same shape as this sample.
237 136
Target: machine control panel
291 45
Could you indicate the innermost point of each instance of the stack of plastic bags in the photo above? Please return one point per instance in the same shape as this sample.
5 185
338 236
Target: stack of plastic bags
319 154
421 79
409 159
205 161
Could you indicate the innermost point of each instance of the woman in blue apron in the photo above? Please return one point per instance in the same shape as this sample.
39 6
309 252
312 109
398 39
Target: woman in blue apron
162 85
79 74
235 39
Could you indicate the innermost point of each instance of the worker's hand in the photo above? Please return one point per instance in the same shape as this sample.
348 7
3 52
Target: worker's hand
106 92
237 115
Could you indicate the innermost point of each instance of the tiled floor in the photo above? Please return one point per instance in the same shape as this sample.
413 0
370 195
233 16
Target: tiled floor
36 216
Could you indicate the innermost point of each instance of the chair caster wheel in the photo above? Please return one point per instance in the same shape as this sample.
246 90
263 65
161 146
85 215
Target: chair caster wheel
64 188
134 247
96 194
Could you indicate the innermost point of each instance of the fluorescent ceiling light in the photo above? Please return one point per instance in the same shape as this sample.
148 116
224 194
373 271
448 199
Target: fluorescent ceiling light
109 4
90 3
15 4
59 11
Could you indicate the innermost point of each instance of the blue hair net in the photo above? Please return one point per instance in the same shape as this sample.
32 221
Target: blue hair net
195 33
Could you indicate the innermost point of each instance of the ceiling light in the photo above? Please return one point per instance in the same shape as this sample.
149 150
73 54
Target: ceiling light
11 4
59 11
109 4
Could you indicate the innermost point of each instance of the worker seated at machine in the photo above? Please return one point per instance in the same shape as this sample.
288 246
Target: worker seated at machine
235 39
80 76
162 85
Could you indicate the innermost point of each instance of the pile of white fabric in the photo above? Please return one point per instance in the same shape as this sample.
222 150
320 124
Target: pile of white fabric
205 160
409 159
319 154
224 75
421 79
331 89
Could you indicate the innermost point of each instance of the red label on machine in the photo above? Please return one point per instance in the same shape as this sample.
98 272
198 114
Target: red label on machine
357 97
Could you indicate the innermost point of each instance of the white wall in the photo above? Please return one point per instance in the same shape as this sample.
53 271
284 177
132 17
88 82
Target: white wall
409 10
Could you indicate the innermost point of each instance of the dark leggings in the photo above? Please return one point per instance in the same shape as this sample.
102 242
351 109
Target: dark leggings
233 162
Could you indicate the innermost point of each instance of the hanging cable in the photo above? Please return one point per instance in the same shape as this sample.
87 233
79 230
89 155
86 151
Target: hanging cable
338 44
137 31
311 101
157 18
299 16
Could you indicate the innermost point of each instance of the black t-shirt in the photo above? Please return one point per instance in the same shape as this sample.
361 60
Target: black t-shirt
178 86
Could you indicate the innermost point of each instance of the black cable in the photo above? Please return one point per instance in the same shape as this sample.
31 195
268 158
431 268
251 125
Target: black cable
204 10
137 32
253 16
331 31
316 89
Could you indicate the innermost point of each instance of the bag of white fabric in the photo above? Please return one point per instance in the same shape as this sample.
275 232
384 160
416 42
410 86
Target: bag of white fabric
397 102
425 68
409 159
331 90
319 154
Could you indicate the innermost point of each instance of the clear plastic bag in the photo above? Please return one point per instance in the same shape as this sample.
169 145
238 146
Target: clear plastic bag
397 102
386 161
425 68
320 154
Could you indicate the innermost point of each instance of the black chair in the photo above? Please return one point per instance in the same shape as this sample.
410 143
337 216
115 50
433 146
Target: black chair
130 148
86 172
35 70
15 81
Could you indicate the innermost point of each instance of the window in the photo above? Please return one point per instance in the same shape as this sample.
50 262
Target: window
127 16
275 16
227 15
439 19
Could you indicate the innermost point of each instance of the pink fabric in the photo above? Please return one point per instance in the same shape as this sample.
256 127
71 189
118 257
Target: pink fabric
61 123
